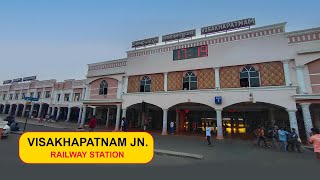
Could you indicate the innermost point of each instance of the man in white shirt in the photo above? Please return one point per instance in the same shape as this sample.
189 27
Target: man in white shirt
172 127
208 134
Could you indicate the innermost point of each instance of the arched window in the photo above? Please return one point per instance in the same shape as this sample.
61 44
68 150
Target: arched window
145 84
190 81
103 90
249 77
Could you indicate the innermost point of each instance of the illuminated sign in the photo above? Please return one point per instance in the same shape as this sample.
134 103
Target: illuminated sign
228 26
179 35
145 42
192 52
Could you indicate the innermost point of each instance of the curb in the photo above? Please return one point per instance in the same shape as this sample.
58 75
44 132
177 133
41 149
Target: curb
179 154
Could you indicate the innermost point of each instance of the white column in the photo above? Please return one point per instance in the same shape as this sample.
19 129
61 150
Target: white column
40 109
293 119
119 90
307 118
4 109
69 113
87 94
165 84
117 118
10 108
124 112
177 121
58 113
16 112
286 70
31 109
219 124
52 111
83 93
271 116
80 113
217 77
94 112
164 122
300 78
108 117
24 110
125 88
48 111
83 118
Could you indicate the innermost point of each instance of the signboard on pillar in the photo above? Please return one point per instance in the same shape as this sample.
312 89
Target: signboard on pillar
218 99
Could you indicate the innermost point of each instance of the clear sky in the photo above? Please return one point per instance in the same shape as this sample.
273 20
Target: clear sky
56 39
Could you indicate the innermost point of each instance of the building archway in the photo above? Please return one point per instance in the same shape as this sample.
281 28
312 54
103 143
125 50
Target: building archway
145 115
13 109
191 117
74 114
20 109
242 119
1 108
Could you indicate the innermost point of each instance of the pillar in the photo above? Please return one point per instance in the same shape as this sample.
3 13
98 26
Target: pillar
52 112
164 122
80 113
58 113
108 117
217 77
83 118
125 88
16 112
165 84
293 119
300 78
10 108
117 118
24 110
271 117
177 122
119 90
94 111
87 92
40 109
286 70
31 110
124 112
68 115
4 109
48 111
219 124
307 118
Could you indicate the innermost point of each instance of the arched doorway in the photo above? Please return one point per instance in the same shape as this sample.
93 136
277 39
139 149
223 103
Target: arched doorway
191 117
242 119
1 108
146 115
74 114
35 111
44 109
13 109
20 109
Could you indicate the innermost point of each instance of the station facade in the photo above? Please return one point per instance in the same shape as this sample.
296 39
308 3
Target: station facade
262 76
237 82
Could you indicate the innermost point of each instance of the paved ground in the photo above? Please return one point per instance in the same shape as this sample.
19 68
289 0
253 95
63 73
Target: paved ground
226 159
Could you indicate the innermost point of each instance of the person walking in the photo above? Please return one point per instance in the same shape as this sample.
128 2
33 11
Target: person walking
123 119
262 137
92 123
315 140
208 134
172 127
296 142
283 139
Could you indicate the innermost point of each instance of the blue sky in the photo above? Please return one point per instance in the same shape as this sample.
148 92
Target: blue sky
56 39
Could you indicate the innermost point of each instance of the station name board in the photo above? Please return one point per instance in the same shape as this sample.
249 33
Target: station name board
30 78
228 26
145 42
179 35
